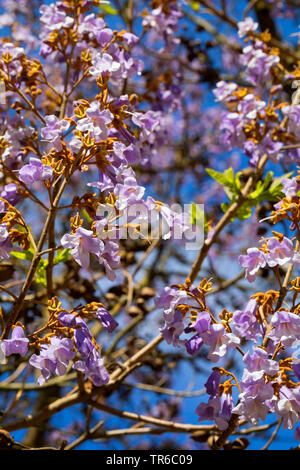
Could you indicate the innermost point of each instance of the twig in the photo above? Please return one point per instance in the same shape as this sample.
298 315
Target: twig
269 442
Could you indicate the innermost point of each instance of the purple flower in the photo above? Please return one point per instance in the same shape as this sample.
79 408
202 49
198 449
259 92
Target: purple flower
104 36
245 322
252 151
203 322
258 63
281 252
293 113
53 131
246 26
95 28
208 411
147 122
35 171
96 121
173 224
232 125
253 385
10 193
83 341
224 91
68 319
292 156
108 322
290 187
82 243
131 152
250 107
193 344
251 409
45 50
11 49
18 344
212 383
103 64
164 24
53 17
93 367
213 335
271 148
110 258
288 406
54 358
168 298
91 364
254 401
286 328
253 261
219 341
130 38
259 361
224 415
128 193
219 406
172 330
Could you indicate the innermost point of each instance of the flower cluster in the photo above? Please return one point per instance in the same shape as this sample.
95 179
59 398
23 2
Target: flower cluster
275 251
58 351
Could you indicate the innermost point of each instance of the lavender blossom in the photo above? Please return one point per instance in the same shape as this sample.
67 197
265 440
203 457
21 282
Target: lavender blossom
54 358
286 328
246 26
281 252
82 243
93 367
108 322
18 344
253 261
54 130
246 324
96 121
35 171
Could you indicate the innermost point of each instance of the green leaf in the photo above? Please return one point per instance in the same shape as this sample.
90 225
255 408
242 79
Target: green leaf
230 194
217 176
87 217
61 256
108 9
267 190
40 274
28 255
258 191
237 180
226 179
197 215
229 175
244 212
225 206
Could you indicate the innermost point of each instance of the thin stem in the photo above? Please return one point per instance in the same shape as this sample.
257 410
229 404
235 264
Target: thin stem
274 435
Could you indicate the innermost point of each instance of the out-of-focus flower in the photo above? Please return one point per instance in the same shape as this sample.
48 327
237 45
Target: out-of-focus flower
53 131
